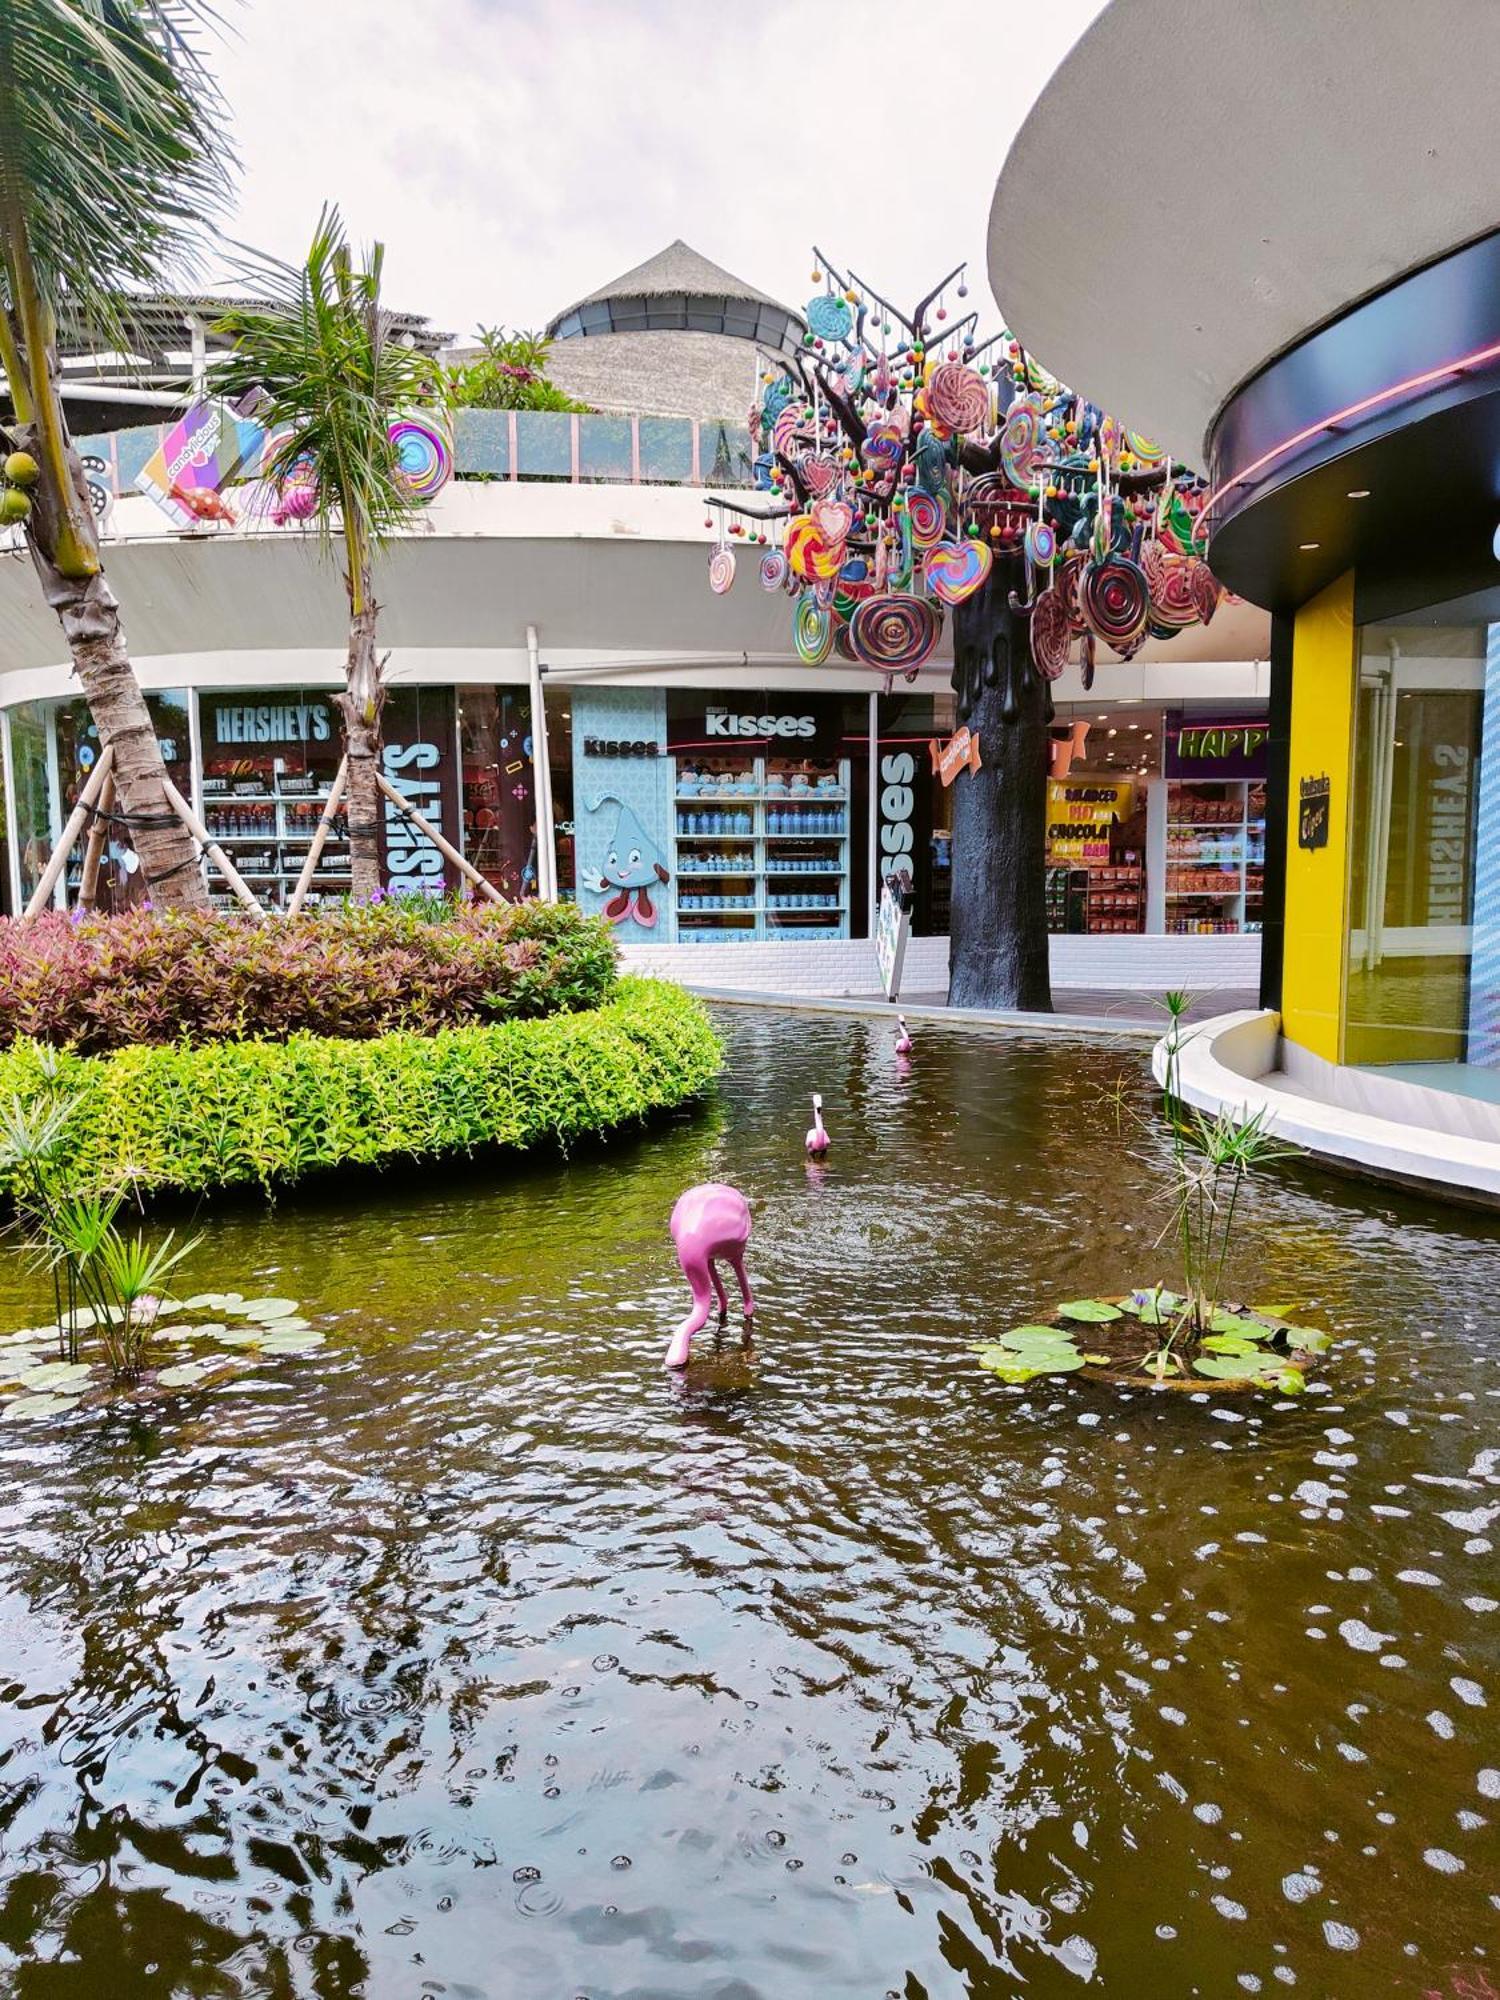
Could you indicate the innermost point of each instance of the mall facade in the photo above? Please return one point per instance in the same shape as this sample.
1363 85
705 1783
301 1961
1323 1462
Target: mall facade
1326 343
574 708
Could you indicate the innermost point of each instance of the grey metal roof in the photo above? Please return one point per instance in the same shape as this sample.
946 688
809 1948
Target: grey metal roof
677 269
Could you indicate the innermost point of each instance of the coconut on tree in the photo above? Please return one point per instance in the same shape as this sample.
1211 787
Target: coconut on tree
338 375
109 146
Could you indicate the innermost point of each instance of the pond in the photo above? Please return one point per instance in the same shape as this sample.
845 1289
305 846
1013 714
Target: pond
473 1655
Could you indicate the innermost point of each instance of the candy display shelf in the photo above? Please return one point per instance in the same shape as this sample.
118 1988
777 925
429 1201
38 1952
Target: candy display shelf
1214 856
757 858
266 831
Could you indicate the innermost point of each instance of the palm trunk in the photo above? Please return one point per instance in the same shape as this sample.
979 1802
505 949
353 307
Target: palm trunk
998 948
65 549
91 625
361 702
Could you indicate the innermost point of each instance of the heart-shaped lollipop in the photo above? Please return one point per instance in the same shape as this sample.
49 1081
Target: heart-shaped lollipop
833 519
821 474
955 570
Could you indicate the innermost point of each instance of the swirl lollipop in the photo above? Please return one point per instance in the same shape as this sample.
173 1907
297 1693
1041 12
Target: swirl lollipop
957 397
955 570
773 570
1051 633
1146 454
1206 589
928 517
829 317
1172 602
784 440
1041 544
809 551
1021 443
842 644
1114 600
720 570
1065 583
812 631
895 633
424 456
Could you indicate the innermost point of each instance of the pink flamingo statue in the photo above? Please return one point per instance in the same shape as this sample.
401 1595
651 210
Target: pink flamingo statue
818 1141
903 1040
709 1221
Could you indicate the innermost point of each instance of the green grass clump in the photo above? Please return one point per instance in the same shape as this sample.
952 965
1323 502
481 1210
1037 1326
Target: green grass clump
190 1118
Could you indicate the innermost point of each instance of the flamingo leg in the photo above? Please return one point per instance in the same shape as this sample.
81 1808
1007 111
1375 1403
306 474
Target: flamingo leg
682 1339
713 1272
737 1262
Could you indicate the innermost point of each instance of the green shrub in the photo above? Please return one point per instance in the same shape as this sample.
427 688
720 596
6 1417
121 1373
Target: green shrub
355 970
190 1118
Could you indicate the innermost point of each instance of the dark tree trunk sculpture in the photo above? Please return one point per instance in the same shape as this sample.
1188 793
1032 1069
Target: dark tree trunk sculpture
998 947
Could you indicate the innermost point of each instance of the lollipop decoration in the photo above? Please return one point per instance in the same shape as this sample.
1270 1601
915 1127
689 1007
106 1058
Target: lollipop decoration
720 570
896 633
424 456
900 491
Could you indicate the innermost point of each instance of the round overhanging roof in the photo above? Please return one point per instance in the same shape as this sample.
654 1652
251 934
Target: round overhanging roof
1203 182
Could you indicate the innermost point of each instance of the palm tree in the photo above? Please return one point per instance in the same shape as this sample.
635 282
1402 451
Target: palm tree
324 350
109 149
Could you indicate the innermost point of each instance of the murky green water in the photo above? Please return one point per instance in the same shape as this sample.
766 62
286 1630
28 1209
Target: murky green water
473 1656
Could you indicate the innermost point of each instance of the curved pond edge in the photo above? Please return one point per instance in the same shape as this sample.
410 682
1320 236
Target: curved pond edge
193 1119
1354 1120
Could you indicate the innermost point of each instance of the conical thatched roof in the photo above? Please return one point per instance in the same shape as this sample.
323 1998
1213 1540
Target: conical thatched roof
677 269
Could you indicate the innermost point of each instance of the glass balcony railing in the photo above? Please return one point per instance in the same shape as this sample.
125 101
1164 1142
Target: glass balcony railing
525 444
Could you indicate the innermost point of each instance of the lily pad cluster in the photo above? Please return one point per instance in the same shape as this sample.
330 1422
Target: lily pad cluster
1142 1334
208 1337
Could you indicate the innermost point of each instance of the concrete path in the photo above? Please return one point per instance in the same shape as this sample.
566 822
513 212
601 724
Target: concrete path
1135 1017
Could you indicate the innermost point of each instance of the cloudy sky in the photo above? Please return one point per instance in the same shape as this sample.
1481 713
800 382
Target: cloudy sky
515 154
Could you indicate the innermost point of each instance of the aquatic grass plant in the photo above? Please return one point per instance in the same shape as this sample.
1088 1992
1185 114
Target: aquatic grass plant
355 970
1192 1337
193 1117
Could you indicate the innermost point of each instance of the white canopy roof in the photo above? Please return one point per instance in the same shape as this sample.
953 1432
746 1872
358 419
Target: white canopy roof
1205 181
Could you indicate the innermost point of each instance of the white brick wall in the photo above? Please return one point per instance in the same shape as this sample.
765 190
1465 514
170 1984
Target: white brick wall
847 966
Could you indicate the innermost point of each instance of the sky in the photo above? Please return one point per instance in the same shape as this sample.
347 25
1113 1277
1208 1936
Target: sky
513 155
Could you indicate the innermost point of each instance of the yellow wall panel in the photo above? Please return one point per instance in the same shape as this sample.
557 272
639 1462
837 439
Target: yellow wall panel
1325 684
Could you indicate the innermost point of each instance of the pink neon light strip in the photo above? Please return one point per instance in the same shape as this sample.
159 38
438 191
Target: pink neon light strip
1474 360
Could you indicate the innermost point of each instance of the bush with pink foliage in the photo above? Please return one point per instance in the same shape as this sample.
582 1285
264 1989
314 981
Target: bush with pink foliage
352 972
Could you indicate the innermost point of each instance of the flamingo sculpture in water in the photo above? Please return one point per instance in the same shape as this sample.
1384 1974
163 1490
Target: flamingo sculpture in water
709 1221
903 1040
818 1140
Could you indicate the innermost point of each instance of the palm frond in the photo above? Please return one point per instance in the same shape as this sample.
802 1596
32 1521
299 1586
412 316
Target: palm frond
323 347
112 143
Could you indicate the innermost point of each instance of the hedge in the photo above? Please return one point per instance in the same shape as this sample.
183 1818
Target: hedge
356 969
189 1118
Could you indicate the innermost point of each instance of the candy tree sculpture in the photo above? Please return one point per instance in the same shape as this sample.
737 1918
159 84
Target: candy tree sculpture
916 476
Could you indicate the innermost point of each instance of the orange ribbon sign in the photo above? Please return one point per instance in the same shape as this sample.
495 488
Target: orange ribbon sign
960 752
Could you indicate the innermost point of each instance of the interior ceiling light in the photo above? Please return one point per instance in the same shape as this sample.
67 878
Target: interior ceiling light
1359 493
1306 546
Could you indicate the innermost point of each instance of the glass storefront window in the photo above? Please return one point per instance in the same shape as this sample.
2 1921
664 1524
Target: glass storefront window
499 804
1413 843
33 826
121 884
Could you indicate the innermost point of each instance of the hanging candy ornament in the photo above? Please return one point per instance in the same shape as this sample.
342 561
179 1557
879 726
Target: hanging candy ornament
955 570
810 552
720 570
784 439
1041 544
957 397
1173 605
1208 592
1051 633
927 516
424 456
895 633
820 473
1147 455
1021 443
829 317
1113 598
773 570
812 631
1086 660
1065 583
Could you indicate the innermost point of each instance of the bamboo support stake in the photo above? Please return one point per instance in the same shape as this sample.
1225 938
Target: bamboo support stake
444 847
58 859
212 849
324 828
93 853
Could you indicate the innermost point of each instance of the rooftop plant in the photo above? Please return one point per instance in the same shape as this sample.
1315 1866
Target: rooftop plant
510 374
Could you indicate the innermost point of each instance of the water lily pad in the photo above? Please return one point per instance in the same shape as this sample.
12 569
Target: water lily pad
1311 1339
205 1302
1272 1312
269 1308
1291 1381
208 1329
26 1407
1224 1321
241 1336
56 1375
191 1372
1093 1312
291 1343
29 1336
1257 1366
80 1320
1229 1343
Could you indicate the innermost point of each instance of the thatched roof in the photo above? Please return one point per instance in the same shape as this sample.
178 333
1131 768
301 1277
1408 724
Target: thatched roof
678 269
